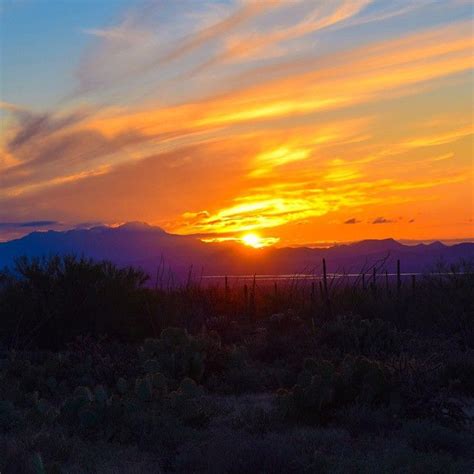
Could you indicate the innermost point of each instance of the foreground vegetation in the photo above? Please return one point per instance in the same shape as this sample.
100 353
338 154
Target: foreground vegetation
100 373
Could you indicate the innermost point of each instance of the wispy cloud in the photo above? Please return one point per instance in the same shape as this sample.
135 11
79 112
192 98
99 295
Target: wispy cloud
265 103
255 44
143 46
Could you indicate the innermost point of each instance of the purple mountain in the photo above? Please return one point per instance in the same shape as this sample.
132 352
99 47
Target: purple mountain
151 247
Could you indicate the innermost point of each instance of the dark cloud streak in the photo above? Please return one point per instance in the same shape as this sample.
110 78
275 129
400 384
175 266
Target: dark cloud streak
43 142
16 225
382 220
353 220
40 125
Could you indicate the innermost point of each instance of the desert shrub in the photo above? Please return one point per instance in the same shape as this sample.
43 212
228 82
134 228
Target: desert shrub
369 337
237 380
444 302
458 370
360 419
254 419
10 417
175 353
322 388
202 358
237 452
189 405
281 338
47 302
387 395
15 457
388 456
53 444
25 452
421 390
428 436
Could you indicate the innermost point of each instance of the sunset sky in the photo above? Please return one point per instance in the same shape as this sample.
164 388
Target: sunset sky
300 121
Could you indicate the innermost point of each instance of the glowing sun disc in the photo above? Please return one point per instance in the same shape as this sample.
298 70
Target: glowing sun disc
253 240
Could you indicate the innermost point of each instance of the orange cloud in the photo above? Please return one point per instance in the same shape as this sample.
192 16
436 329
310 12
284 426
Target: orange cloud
288 141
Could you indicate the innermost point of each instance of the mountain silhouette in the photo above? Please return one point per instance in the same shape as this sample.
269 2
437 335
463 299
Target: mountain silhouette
150 247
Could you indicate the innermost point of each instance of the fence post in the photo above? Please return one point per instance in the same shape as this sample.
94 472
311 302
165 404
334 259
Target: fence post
325 278
252 297
326 292
190 276
226 293
399 278
246 298
313 306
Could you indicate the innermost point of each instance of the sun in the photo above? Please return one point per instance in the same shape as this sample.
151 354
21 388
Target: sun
253 240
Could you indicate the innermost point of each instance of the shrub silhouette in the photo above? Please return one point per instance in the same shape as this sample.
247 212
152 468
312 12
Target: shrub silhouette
175 353
48 302
322 388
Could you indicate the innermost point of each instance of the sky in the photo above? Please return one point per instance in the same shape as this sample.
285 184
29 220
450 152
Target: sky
276 122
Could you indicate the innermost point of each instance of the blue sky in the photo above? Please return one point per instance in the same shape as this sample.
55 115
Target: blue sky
41 42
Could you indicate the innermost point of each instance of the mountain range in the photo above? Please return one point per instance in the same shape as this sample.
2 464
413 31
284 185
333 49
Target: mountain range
155 250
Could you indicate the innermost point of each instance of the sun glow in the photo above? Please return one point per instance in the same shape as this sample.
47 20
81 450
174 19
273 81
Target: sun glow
252 240
257 242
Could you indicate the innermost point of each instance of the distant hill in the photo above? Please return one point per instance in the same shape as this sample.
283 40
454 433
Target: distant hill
151 247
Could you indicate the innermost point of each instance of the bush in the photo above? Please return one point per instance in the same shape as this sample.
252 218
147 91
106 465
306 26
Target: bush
389 391
175 353
321 388
428 436
459 370
48 302
10 417
368 337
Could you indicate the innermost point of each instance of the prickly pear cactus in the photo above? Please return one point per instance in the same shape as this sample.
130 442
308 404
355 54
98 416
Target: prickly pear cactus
151 348
374 383
305 378
122 386
151 366
9 416
52 383
310 365
175 354
159 383
88 418
100 394
45 411
81 397
84 394
237 357
173 337
189 388
37 465
285 403
144 389
196 366
321 387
